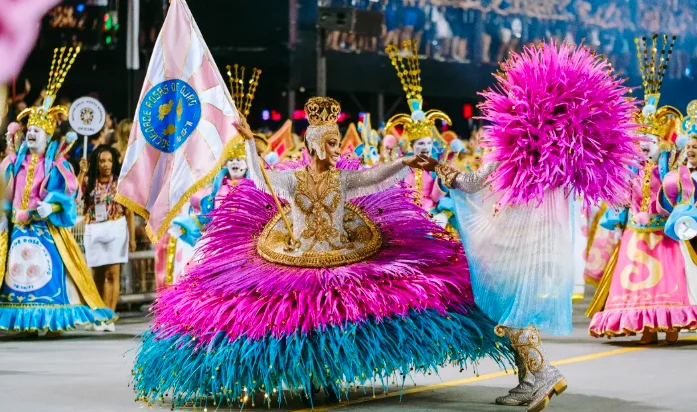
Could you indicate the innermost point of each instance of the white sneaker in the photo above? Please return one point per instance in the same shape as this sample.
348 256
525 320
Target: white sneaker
111 327
89 327
100 327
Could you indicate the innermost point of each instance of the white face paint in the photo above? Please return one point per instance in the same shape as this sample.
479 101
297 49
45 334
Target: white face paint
36 139
237 168
423 146
650 147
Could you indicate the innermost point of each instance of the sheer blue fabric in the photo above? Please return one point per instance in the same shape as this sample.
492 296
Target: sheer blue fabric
520 260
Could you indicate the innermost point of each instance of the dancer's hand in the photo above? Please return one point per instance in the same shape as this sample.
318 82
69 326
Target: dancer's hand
441 219
176 231
427 163
244 129
685 228
44 209
84 166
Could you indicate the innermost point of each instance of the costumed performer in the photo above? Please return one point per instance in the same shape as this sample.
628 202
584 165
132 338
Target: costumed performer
418 131
47 285
651 284
516 230
363 287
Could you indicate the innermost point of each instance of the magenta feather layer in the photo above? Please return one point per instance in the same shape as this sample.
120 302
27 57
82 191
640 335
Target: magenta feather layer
237 323
235 290
559 118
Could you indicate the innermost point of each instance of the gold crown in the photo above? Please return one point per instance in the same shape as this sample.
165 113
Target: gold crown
653 61
243 99
661 124
46 116
238 149
322 111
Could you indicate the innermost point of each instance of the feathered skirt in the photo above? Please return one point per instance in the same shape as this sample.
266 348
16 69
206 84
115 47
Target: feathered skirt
237 324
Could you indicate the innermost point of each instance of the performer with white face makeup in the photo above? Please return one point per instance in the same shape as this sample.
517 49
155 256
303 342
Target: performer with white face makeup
419 129
45 282
650 285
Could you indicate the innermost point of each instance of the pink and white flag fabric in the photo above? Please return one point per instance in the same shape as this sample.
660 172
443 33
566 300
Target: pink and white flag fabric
183 125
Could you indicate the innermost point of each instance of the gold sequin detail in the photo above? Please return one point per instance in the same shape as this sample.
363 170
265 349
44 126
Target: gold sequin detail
269 238
30 180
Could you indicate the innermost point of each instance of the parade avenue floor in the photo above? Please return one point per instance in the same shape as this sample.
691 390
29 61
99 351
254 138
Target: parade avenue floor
84 371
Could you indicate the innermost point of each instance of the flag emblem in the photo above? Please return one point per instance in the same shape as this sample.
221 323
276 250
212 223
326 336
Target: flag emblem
168 114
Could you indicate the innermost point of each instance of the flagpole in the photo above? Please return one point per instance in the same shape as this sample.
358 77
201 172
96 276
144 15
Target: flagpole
294 244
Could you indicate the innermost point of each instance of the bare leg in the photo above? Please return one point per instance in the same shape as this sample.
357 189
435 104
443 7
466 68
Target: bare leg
112 285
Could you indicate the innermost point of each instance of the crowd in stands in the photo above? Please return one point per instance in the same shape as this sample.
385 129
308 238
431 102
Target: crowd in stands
484 31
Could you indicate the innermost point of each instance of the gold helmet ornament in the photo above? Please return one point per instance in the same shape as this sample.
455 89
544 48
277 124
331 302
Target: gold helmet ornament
46 115
654 55
241 92
418 124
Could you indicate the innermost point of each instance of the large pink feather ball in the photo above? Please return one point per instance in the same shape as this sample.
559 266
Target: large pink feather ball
560 118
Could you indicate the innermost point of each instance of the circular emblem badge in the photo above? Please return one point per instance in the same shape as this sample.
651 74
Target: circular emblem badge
30 265
87 116
168 114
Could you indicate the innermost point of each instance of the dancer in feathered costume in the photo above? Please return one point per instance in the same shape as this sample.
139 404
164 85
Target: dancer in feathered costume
363 287
47 284
559 126
419 130
651 284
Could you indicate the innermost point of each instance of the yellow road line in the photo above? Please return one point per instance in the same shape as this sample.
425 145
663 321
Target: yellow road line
479 378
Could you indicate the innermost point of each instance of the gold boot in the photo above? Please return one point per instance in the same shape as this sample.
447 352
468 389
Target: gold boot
521 394
548 380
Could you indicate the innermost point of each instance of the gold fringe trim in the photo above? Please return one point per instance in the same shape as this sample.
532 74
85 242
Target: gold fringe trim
133 206
156 235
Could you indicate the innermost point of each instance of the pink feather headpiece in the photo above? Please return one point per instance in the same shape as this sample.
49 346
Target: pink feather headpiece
560 118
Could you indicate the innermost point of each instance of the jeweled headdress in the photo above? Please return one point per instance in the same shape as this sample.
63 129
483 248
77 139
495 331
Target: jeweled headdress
242 91
46 115
238 149
322 114
654 55
418 125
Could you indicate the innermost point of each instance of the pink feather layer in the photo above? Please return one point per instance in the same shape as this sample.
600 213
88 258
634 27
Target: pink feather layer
236 291
559 118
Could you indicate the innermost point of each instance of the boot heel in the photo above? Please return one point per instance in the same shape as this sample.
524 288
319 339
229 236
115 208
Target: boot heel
560 387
